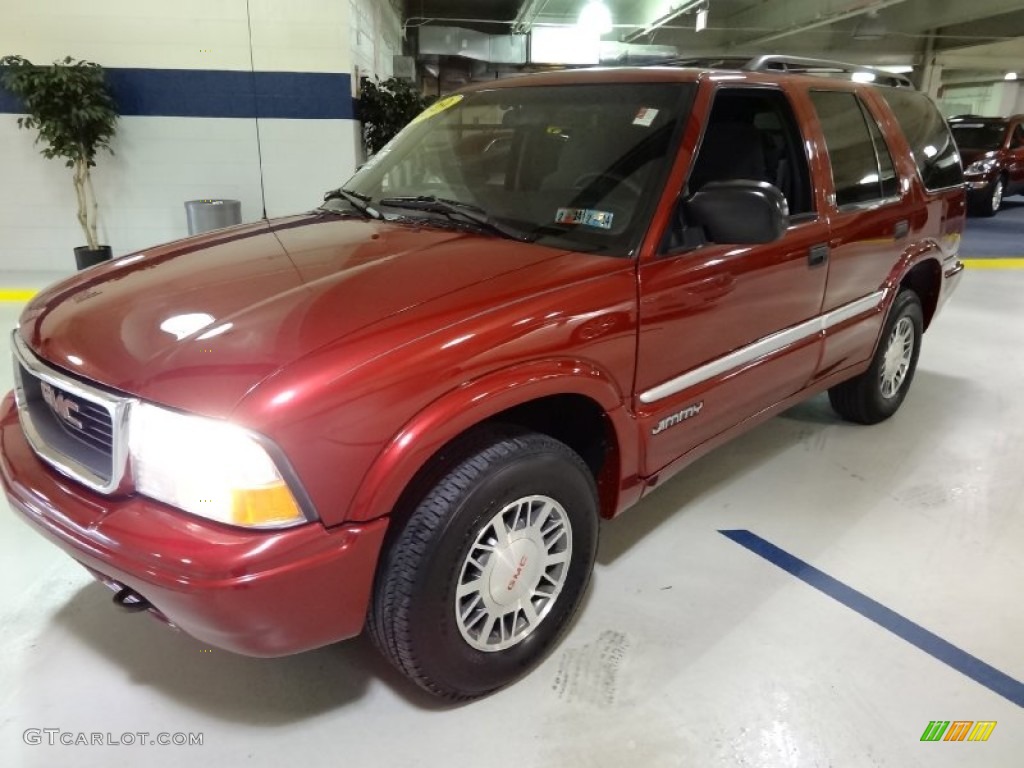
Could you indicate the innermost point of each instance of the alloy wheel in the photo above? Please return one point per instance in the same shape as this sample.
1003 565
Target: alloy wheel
513 573
898 354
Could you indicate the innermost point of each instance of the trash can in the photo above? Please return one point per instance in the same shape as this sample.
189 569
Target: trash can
204 215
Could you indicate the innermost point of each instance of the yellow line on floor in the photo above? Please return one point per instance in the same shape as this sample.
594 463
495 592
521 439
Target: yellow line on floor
993 263
17 294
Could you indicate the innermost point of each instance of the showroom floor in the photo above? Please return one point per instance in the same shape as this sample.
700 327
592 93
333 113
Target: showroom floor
693 648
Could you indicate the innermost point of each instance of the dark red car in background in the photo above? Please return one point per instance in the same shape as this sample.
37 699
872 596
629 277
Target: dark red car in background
992 149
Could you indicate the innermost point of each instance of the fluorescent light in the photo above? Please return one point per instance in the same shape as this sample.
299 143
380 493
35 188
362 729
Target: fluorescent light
702 20
1010 76
896 69
595 17
564 45
863 77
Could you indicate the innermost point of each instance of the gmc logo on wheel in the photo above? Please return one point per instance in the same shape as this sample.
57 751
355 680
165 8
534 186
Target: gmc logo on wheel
60 405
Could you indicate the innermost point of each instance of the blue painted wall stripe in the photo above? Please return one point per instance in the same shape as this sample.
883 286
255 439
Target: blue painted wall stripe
224 93
915 634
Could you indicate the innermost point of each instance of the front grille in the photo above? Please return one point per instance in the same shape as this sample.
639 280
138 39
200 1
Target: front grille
75 427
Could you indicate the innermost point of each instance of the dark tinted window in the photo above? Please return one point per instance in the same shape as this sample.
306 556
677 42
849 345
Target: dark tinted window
886 171
978 135
751 133
862 170
935 152
1018 137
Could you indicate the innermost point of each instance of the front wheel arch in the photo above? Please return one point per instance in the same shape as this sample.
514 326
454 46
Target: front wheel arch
493 398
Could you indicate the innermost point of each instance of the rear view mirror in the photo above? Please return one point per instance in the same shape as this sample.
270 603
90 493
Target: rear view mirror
741 212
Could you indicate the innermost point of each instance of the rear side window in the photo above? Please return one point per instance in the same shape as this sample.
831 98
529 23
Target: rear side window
928 135
862 168
1018 138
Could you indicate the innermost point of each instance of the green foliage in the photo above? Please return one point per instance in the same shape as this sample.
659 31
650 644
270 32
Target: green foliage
70 107
385 108
67 102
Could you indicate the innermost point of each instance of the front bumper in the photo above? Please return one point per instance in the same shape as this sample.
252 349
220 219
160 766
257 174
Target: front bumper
258 593
976 183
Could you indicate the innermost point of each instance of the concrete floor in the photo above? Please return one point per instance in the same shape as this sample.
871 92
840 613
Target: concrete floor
690 650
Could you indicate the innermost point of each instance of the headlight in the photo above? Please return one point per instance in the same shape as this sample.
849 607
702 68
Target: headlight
981 166
209 468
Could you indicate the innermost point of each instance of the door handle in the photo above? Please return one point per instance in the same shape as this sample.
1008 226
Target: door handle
818 254
901 229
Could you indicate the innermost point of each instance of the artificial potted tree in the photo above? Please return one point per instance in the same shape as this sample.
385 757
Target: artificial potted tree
385 108
70 106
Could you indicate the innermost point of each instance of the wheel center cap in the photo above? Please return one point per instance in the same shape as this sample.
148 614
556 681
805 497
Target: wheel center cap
892 357
516 571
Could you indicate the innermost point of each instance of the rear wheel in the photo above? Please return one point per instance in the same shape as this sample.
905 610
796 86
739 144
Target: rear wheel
877 393
491 566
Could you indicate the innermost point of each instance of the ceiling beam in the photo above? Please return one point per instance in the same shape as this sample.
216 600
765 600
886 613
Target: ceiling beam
922 15
1004 56
783 18
527 14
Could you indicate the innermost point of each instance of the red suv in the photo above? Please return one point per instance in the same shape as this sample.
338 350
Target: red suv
411 407
993 149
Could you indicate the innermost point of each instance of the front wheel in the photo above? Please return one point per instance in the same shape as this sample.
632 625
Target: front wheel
877 393
991 199
491 566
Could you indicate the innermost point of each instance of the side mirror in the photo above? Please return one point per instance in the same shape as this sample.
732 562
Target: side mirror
740 212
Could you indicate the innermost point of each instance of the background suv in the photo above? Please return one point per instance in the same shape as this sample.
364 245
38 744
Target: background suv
992 149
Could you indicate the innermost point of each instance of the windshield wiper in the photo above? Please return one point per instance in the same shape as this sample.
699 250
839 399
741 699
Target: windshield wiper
452 208
357 200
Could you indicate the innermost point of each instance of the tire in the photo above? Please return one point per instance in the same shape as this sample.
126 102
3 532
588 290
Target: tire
877 393
543 497
991 200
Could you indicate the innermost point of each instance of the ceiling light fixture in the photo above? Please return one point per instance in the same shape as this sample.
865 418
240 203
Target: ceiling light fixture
1010 76
671 15
870 28
595 18
702 19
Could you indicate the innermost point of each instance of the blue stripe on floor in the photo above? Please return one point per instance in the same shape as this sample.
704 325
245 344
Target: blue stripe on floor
999 236
963 662
224 93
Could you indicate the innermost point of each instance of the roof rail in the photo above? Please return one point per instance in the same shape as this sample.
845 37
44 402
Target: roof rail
773 63
794 64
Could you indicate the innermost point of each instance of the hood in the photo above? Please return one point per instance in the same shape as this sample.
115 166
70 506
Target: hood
197 323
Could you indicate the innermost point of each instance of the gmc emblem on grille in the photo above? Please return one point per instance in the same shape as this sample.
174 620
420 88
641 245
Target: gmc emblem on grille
60 405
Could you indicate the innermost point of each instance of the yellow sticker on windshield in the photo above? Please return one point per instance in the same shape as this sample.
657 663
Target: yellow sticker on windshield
437 108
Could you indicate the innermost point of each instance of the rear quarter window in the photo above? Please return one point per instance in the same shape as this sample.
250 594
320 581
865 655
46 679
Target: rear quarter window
935 152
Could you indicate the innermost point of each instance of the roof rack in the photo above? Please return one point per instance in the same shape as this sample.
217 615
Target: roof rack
826 67
794 64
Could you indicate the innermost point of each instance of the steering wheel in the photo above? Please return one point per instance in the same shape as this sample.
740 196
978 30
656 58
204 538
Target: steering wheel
586 179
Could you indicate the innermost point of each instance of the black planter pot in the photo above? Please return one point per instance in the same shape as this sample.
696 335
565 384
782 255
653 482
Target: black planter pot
87 257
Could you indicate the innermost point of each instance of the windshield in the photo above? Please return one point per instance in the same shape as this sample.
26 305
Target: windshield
979 135
569 166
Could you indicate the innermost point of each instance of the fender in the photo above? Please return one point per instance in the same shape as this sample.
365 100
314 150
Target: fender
916 254
476 401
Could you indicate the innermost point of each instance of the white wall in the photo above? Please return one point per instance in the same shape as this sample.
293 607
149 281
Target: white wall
995 99
162 161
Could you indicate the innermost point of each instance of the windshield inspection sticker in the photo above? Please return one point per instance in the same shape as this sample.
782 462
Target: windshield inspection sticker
437 108
584 216
645 116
